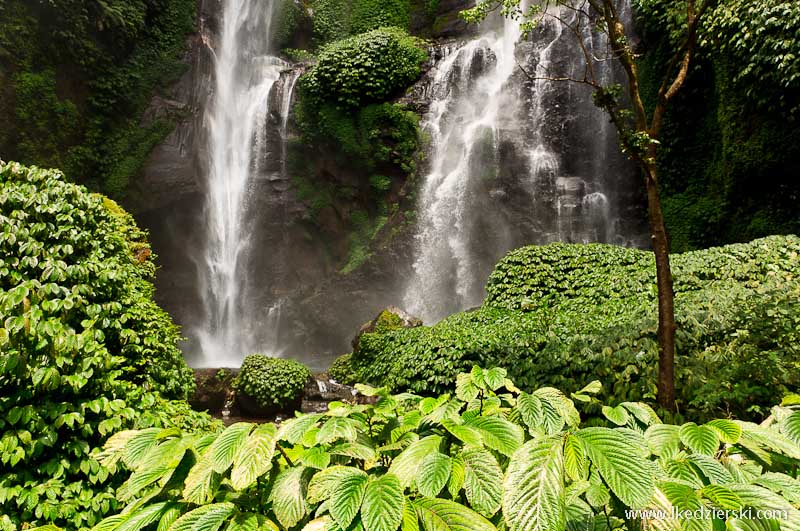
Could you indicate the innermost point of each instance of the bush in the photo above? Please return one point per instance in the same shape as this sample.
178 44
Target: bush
367 68
271 382
490 457
337 19
82 346
563 315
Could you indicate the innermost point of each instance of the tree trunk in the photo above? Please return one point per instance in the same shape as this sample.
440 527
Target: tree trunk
666 295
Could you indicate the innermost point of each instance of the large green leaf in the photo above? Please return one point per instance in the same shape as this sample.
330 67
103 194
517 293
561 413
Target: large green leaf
498 433
322 485
288 496
144 517
563 405
727 430
254 459
760 498
227 445
204 518
406 465
138 446
445 515
157 464
533 489
201 482
483 480
711 468
294 429
383 505
685 498
701 439
663 439
410 519
618 415
575 458
337 428
622 466
790 426
347 496
457 475
722 497
434 473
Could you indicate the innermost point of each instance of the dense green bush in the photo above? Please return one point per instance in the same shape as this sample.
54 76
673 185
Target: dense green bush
84 350
76 76
272 382
367 68
728 162
564 315
338 19
491 457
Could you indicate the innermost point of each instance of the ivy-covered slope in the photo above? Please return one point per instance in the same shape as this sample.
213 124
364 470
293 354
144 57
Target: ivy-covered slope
564 315
76 76
84 350
730 164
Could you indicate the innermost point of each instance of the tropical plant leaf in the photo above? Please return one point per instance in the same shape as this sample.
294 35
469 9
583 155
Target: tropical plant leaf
562 405
346 497
168 517
711 468
685 498
663 439
383 506
618 415
533 489
727 430
288 496
201 482
254 458
434 474
701 439
575 458
323 483
457 475
293 430
227 445
138 446
498 433
495 378
790 426
622 466
144 517
410 519
483 480
337 428
204 518
406 465
722 497
445 515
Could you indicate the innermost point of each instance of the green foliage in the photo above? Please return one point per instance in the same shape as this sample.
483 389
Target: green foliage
489 457
367 68
337 19
77 77
271 381
82 347
563 315
727 160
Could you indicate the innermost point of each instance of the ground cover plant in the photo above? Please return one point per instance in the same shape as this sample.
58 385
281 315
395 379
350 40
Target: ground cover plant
487 457
563 315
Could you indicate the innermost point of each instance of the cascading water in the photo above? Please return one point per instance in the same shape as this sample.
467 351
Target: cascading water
235 124
515 159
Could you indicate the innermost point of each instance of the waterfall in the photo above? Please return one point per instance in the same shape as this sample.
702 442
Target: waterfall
235 125
514 159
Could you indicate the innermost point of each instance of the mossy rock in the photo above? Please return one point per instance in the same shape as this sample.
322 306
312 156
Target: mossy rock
388 320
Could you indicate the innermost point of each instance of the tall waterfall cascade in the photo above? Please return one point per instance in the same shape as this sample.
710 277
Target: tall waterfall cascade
237 158
516 158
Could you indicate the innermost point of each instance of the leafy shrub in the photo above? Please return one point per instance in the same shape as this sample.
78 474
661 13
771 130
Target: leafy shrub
367 68
338 19
563 315
340 370
491 457
82 346
271 381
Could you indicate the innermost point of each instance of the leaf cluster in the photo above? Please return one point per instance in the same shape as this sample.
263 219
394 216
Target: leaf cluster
486 458
83 346
271 381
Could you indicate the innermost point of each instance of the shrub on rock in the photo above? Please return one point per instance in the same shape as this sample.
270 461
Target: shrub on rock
267 385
